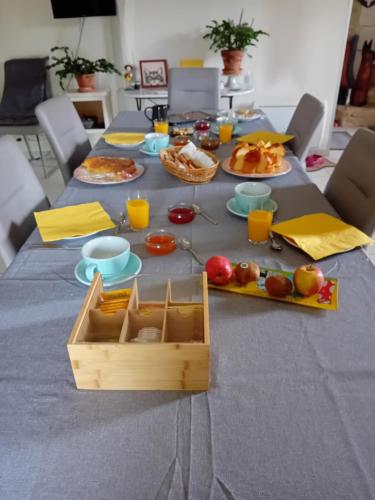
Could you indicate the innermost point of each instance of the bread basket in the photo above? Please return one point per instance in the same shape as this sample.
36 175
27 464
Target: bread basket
184 169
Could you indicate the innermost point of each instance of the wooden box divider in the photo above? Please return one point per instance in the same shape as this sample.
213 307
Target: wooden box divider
103 356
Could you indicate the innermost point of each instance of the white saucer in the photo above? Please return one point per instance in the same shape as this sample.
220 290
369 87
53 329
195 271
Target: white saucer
148 152
233 207
132 269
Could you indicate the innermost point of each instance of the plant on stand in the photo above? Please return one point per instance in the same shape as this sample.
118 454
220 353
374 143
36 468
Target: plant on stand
82 69
232 39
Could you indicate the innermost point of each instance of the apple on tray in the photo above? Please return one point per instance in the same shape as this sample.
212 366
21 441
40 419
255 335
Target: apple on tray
219 270
278 286
308 280
245 272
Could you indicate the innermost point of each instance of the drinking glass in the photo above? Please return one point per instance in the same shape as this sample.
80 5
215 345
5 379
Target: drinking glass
259 224
226 131
138 209
161 126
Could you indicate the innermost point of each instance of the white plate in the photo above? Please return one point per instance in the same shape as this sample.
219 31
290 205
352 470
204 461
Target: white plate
233 207
286 167
83 175
250 118
294 244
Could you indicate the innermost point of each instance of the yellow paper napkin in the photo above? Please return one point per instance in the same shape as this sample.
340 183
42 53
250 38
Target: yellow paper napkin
124 138
321 235
266 136
75 220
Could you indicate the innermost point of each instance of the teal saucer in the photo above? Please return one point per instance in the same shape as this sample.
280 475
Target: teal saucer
132 269
233 207
146 151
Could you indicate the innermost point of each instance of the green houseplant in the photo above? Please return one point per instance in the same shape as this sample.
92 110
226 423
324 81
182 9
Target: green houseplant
83 69
232 39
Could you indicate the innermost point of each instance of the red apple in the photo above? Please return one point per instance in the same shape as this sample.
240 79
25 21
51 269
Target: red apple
278 285
219 270
246 272
308 280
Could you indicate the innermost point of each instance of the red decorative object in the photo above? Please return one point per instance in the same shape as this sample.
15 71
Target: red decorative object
362 83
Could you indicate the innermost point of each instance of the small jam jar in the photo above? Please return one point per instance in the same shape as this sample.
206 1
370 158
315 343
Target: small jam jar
202 126
181 140
160 242
209 142
181 213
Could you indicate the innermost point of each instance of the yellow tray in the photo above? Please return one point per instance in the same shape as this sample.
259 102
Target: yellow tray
327 298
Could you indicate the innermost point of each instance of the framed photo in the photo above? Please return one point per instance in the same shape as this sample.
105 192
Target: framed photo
154 73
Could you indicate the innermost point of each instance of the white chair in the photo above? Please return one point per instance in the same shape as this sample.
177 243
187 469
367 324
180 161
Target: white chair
304 123
351 187
193 89
65 133
20 195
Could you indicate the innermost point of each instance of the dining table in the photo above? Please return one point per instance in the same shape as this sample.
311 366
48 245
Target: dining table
290 410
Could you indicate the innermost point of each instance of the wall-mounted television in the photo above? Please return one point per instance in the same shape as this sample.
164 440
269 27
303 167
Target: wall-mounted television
83 8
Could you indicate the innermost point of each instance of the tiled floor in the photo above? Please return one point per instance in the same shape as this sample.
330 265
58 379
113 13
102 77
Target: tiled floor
53 184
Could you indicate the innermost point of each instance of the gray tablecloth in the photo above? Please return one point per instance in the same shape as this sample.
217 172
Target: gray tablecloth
290 411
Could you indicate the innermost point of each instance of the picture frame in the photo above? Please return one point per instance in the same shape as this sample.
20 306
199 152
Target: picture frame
154 73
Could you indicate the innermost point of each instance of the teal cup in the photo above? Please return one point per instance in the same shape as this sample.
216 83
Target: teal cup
156 141
252 195
107 255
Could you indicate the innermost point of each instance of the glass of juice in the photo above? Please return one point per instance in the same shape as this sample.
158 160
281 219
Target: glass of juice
138 209
161 126
259 224
226 131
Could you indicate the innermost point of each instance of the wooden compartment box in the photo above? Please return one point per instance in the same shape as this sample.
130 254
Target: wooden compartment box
103 355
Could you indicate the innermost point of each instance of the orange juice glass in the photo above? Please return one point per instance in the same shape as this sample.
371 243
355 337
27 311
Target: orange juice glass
259 224
138 213
225 132
161 126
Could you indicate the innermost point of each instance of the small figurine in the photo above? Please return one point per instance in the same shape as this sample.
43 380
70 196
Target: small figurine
128 75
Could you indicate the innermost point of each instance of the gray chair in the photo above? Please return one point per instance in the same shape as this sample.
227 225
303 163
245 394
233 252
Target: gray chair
351 188
25 86
20 195
65 133
193 89
304 123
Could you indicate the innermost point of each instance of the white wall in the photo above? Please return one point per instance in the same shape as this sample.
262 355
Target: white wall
27 29
303 53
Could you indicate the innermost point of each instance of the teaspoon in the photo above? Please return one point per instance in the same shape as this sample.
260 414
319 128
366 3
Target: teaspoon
185 244
274 245
197 209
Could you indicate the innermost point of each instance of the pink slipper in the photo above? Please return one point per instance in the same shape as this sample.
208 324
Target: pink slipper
316 162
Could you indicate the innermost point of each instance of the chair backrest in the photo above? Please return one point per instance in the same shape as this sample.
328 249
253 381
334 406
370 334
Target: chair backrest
304 123
351 187
193 89
191 63
20 195
25 86
65 132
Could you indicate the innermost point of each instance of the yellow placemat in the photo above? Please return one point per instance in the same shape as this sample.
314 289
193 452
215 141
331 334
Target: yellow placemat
75 220
123 138
266 136
321 235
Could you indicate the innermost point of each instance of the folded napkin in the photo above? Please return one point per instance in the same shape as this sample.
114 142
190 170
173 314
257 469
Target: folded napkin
321 235
266 136
75 220
123 138
199 158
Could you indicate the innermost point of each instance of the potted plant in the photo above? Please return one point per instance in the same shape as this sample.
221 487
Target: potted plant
83 69
232 40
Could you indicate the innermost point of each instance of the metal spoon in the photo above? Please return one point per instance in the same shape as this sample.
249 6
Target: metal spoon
121 221
185 244
197 209
274 244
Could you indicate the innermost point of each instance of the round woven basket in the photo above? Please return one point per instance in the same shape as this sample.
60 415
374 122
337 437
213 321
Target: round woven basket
183 168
